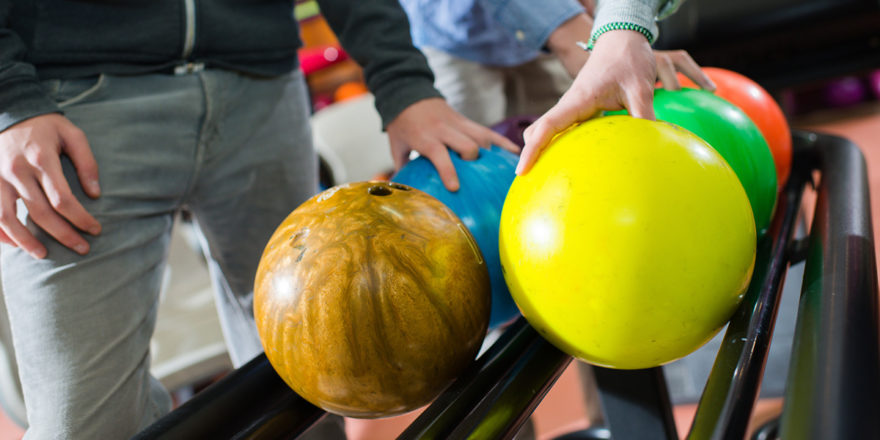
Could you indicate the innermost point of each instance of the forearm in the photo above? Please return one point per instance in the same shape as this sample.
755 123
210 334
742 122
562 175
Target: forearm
563 42
21 96
636 15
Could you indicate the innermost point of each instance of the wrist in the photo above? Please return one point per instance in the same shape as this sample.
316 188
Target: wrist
629 28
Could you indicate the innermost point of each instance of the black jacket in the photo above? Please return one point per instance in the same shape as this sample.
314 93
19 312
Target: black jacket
51 39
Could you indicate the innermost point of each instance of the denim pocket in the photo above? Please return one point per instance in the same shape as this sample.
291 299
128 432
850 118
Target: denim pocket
67 92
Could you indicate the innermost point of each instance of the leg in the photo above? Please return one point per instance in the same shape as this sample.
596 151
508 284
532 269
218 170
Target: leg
475 90
258 165
81 328
81 325
11 399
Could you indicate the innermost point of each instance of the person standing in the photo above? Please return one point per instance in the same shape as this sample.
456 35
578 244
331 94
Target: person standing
116 116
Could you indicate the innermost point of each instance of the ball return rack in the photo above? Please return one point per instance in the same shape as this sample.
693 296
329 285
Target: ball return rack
833 388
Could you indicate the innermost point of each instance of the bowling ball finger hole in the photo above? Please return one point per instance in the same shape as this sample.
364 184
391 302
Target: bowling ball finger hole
379 191
399 186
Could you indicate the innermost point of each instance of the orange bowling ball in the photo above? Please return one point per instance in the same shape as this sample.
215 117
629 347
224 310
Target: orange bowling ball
761 108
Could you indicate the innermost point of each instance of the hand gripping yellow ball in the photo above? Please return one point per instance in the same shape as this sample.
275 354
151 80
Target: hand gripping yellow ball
629 244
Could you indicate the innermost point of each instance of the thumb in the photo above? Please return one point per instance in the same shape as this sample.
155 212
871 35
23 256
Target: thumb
5 239
399 152
558 118
640 103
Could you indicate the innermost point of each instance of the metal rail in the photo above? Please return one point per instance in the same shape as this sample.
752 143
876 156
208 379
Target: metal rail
732 387
833 389
251 402
834 379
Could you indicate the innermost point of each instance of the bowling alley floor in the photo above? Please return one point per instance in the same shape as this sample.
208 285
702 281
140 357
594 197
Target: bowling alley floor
564 409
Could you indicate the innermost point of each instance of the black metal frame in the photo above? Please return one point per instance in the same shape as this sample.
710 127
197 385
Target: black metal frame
834 379
833 389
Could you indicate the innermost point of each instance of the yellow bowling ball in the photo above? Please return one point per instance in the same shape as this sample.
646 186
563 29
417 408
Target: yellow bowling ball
629 244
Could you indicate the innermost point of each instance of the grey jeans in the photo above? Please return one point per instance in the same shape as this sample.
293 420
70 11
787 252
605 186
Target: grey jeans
235 152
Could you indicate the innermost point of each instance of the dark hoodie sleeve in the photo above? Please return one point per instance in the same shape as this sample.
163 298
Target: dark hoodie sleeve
21 96
375 33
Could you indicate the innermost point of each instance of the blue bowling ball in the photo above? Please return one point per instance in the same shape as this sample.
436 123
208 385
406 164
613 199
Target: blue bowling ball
483 186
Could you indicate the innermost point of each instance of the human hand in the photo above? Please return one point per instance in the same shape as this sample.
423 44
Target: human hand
564 43
30 154
671 61
430 126
619 74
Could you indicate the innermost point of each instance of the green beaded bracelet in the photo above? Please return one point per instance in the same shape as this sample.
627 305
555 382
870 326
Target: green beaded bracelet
618 26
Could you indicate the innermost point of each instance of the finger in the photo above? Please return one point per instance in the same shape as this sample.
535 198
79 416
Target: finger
527 157
561 116
5 238
460 142
639 102
486 137
686 65
439 156
12 228
76 146
42 213
666 73
62 200
503 142
480 134
537 135
399 152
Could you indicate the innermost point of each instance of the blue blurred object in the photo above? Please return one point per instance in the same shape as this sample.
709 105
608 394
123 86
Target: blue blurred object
483 186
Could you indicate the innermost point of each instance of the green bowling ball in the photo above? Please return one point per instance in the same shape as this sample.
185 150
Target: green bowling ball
733 135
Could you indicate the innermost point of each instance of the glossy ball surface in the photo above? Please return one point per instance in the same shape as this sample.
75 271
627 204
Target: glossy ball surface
483 186
629 244
370 298
730 132
760 107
